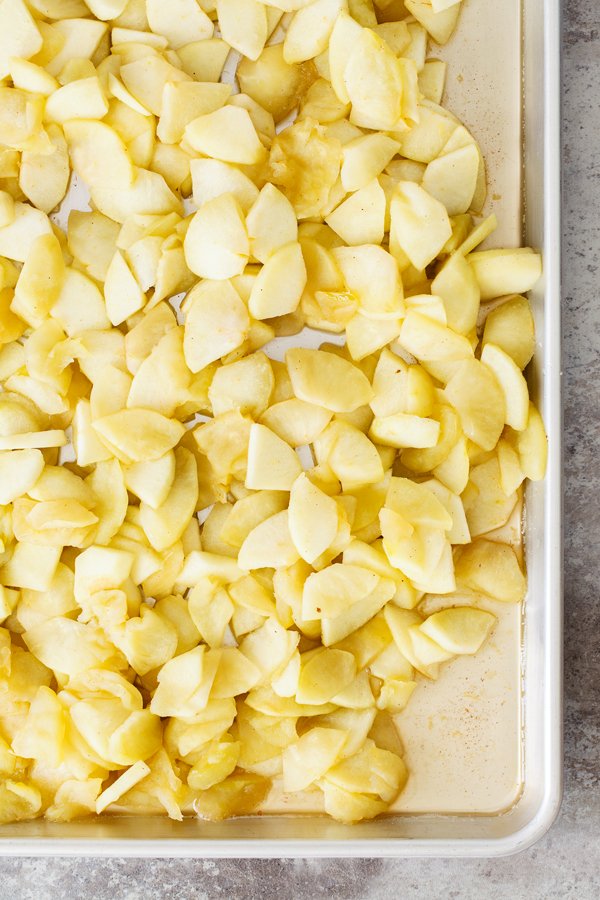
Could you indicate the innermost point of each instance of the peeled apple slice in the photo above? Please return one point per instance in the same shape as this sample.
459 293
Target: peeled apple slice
269 544
98 154
227 134
311 756
430 341
476 395
243 25
216 243
309 31
420 222
451 179
332 590
405 431
313 519
531 445
512 382
358 614
399 622
20 36
296 421
271 223
325 675
417 556
462 629
344 36
501 272
327 380
373 80
493 569
426 649
440 25
365 158
215 324
510 326
141 434
19 471
151 481
371 275
360 219
417 504
272 464
279 284
184 23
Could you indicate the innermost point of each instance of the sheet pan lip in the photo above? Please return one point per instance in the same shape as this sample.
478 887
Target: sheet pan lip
549 806
301 849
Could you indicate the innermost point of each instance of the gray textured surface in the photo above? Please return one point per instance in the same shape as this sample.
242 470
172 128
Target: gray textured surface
566 863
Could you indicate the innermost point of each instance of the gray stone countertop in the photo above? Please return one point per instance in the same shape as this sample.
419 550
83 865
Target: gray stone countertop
565 864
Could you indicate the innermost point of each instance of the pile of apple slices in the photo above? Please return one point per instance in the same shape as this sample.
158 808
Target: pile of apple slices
215 586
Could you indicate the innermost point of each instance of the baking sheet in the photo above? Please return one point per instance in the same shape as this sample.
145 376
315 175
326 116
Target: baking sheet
484 89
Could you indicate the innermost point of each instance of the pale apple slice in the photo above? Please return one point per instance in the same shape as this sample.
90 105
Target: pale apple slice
399 622
271 223
243 25
456 284
216 323
373 80
425 648
417 556
420 222
479 401
510 326
440 21
309 31
346 32
324 676
269 544
394 527
331 591
184 101
402 430
20 35
272 464
212 177
491 568
311 756
279 284
141 434
531 445
389 383
452 178
227 134
327 380
462 629
98 154
19 471
371 274
360 219
512 382
313 519
216 243
501 272
417 504
151 481
296 421
365 158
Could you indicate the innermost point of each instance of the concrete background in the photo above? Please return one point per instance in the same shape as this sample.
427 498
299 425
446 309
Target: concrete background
566 863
